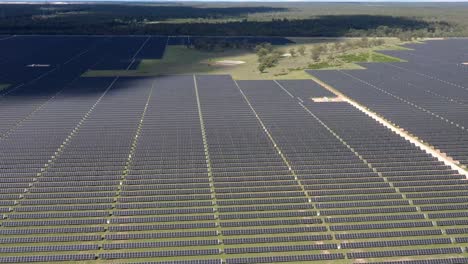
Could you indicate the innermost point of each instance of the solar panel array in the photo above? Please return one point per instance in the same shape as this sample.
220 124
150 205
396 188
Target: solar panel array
204 169
33 87
165 203
258 199
199 168
121 53
427 96
370 199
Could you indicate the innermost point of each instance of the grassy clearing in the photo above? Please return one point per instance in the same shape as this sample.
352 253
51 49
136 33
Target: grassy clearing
337 66
183 60
368 57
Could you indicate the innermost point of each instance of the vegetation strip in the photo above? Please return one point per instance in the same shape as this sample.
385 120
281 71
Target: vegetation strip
237 19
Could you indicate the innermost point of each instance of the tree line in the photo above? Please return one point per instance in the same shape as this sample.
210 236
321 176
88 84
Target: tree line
105 19
330 54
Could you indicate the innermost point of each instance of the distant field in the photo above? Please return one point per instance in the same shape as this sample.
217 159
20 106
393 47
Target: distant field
183 60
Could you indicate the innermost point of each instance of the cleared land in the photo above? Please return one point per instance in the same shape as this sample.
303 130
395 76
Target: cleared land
184 60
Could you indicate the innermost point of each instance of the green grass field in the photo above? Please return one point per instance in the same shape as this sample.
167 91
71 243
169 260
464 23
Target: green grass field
368 57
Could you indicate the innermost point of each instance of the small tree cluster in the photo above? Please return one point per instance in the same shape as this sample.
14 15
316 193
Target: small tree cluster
317 51
367 43
405 36
268 57
263 49
292 52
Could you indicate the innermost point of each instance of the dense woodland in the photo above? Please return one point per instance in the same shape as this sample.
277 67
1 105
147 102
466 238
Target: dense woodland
246 19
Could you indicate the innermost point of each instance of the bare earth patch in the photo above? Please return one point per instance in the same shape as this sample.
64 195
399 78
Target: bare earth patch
228 63
360 261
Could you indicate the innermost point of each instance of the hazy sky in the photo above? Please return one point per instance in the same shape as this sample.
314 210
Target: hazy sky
290 0
286 0
240 1
266 0
446 1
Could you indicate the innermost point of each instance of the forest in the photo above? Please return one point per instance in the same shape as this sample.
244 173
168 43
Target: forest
238 19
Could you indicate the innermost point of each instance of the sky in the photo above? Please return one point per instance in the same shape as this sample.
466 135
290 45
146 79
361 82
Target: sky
240 1
448 1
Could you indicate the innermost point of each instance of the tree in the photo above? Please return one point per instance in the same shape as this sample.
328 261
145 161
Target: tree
262 52
405 36
267 56
292 52
301 50
270 60
315 53
264 45
261 67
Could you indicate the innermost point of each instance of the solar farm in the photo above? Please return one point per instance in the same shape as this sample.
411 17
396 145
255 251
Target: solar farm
206 169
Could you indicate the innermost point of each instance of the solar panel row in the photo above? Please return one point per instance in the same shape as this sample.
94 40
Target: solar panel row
287 116
253 169
432 89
